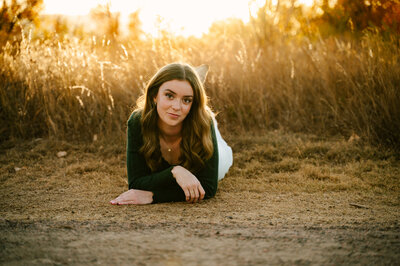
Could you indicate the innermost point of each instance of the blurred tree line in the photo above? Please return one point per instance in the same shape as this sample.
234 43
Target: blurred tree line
16 15
325 18
274 18
356 16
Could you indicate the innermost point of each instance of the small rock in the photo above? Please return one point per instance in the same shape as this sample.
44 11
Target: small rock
61 154
354 137
17 169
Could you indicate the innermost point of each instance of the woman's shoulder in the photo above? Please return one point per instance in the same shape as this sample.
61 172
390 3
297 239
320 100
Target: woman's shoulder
134 118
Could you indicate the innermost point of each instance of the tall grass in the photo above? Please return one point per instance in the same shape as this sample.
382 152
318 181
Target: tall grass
80 88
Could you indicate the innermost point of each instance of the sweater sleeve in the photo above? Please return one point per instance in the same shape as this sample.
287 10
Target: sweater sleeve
139 174
162 183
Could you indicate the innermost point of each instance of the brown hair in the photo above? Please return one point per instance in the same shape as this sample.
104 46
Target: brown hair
196 144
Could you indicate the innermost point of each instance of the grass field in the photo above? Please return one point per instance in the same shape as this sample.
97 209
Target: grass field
76 89
288 199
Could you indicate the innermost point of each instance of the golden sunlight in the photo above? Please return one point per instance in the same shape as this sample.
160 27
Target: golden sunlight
181 17
306 2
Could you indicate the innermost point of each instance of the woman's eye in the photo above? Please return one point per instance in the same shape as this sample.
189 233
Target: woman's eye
169 95
187 101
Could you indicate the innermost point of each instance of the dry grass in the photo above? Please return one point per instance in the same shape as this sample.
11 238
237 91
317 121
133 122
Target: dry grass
78 88
276 174
284 163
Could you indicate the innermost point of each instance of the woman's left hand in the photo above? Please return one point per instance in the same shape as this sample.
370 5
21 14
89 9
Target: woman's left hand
190 185
133 196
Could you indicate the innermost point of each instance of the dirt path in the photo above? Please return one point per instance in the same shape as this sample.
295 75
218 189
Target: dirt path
288 199
200 244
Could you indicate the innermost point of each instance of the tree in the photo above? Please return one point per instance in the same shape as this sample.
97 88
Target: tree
16 16
276 19
359 15
106 20
135 26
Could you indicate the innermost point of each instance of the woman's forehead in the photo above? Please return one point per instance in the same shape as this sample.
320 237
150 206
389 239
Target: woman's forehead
179 87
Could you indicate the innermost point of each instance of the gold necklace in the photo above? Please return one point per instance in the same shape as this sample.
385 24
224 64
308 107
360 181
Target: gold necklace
169 148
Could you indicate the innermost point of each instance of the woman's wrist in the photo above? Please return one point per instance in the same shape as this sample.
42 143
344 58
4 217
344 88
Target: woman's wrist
151 198
174 170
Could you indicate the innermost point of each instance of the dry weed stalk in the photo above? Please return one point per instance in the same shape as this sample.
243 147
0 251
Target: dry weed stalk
75 89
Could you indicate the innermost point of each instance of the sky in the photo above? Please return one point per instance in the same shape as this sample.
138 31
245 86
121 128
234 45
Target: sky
182 17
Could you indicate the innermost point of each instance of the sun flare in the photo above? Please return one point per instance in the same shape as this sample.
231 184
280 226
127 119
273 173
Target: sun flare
181 17
178 16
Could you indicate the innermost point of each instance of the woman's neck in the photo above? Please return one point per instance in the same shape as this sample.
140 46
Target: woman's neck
169 133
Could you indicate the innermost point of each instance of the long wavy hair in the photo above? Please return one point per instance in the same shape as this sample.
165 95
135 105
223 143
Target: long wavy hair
196 145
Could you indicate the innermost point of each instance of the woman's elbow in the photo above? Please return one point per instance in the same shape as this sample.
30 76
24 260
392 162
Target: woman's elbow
210 192
134 184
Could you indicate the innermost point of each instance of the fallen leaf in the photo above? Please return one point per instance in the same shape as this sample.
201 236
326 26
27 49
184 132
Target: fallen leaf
61 154
354 137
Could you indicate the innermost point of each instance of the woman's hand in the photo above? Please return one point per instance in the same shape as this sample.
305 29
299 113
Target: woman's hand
133 196
191 186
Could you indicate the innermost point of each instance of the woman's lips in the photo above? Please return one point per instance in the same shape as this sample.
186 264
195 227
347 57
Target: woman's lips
175 116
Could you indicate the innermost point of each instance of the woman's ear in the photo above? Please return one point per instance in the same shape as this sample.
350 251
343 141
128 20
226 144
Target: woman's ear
202 72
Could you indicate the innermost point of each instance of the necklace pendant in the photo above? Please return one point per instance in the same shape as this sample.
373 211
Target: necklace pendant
169 150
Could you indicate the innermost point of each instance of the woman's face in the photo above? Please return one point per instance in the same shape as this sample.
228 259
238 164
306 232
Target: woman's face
174 100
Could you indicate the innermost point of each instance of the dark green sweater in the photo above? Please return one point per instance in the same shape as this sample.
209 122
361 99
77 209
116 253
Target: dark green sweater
162 183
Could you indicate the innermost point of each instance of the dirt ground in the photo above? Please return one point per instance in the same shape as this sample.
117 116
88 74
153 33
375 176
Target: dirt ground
289 199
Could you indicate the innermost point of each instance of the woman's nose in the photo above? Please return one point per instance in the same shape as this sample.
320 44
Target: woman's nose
176 105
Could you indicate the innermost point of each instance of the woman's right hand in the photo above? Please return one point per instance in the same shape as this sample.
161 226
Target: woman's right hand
190 185
133 196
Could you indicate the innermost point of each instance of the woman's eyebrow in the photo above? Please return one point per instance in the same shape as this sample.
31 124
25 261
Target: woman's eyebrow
171 91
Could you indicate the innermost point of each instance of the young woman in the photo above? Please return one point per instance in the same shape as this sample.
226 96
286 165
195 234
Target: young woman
174 150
